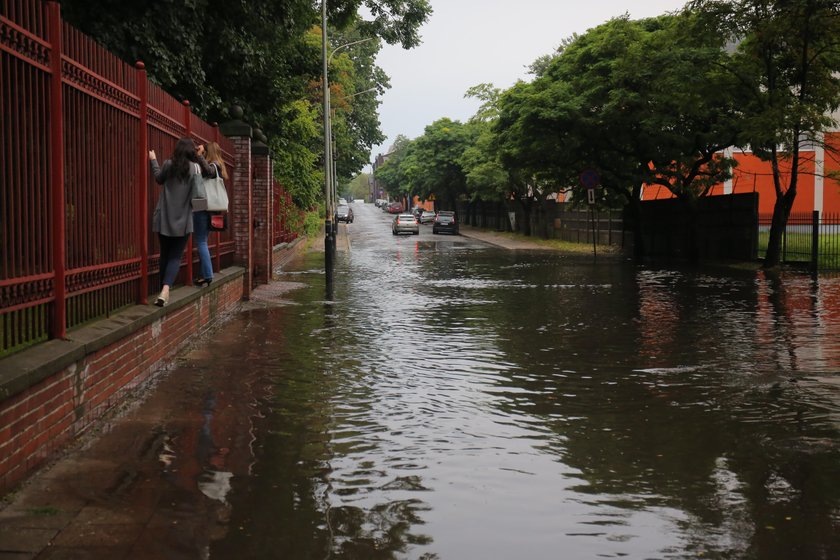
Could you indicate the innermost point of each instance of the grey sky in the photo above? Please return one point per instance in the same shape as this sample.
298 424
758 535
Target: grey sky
468 42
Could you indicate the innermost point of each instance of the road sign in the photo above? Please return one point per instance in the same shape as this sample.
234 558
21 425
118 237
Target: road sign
590 195
590 179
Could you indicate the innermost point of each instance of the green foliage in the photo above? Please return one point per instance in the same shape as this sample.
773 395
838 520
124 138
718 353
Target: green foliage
487 178
400 169
437 158
359 186
786 63
295 164
313 220
265 55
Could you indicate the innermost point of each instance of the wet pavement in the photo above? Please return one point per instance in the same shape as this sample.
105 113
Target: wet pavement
458 399
118 493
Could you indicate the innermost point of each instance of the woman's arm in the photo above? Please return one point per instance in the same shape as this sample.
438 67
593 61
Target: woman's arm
158 173
206 170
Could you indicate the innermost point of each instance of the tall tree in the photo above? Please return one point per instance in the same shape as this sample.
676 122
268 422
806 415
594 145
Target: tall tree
787 60
399 172
438 154
687 108
487 179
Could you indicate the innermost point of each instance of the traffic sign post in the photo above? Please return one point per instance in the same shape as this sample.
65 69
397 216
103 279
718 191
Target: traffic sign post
590 180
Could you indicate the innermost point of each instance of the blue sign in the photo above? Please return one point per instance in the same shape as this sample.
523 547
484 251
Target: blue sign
590 179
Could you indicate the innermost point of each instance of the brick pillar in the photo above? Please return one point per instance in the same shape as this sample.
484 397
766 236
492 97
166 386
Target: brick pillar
239 219
261 207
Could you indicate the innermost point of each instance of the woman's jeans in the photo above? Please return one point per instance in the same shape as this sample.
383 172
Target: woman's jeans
171 250
201 230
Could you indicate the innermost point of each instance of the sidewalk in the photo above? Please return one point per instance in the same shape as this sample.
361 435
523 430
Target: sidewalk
518 242
503 240
126 488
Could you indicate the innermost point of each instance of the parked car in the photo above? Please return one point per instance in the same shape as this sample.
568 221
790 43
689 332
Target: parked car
445 221
380 202
427 217
405 223
344 214
394 208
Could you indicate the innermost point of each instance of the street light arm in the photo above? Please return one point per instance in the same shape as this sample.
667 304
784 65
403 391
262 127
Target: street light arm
345 98
350 44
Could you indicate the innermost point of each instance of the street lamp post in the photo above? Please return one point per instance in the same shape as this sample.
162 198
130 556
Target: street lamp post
333 156
330 171
330 186
328 218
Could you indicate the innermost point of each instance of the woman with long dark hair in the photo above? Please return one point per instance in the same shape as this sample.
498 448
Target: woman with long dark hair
172 218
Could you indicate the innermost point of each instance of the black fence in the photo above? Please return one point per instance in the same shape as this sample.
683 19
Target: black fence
810 239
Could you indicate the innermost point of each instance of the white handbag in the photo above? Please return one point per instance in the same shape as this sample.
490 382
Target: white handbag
217 198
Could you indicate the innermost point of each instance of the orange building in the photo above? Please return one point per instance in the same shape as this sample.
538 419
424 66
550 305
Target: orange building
815 189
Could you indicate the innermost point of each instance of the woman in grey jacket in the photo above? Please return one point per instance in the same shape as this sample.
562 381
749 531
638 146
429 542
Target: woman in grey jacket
172 219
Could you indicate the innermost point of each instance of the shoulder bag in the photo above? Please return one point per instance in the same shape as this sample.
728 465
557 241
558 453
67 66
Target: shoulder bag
217 198
198 193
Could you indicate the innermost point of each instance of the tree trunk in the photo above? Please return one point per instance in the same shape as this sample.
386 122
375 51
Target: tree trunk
544 221
781 213
525 223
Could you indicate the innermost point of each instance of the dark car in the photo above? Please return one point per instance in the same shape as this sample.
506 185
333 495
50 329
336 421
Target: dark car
445 221
394 208
344 214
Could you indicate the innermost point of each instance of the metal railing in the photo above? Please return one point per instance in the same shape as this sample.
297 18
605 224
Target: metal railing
811 239
76 193
288 218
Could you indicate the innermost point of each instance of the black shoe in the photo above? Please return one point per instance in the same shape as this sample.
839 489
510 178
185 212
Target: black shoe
202 282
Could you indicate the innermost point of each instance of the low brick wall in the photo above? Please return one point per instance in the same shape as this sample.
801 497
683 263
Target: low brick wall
53 392
282 253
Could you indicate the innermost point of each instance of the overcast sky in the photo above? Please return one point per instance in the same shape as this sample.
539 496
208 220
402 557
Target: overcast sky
469 42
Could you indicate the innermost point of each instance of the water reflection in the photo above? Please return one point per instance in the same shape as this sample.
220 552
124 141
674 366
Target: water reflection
464 402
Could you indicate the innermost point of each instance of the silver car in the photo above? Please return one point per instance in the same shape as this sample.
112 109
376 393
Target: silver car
405 223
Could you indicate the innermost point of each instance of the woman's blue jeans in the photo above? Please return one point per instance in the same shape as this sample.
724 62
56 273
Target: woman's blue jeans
201 230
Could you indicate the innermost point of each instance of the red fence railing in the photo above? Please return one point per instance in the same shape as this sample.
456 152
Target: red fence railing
75 190
288 218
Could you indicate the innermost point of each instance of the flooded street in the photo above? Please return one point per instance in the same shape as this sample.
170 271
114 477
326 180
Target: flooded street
458 401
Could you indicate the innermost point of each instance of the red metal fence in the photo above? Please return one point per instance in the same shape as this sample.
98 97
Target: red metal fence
288 218
76 193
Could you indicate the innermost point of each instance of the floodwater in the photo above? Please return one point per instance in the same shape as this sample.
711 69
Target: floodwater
460 401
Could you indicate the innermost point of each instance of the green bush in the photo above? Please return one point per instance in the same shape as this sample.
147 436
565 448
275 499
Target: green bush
312 223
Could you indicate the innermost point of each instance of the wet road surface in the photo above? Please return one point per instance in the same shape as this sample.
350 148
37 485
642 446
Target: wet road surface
457 400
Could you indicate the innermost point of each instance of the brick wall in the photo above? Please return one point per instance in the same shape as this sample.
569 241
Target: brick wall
240 218
40 420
